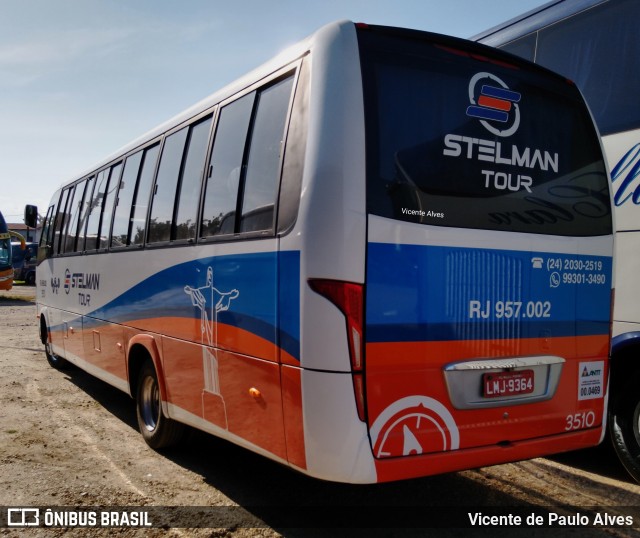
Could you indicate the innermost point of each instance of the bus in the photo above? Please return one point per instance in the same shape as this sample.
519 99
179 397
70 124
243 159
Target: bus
6 268
6 254
384 254
594 43
24 262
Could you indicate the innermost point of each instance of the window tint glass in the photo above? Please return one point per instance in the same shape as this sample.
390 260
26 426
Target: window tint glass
226 163
70 214
60 220
84 214
439 153
78 200
110 198
600 51
189 196
74 206
165 190
47 227
95 212
263 166
143 191
126 189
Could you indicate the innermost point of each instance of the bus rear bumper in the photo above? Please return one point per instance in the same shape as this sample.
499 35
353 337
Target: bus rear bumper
458 460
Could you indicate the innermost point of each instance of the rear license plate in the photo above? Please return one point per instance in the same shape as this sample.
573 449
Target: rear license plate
498 384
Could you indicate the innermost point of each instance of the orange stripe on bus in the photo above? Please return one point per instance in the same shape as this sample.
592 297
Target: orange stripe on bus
415 354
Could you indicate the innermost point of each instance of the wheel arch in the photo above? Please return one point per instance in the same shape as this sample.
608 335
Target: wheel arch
43 330
625 357
140 348
624 401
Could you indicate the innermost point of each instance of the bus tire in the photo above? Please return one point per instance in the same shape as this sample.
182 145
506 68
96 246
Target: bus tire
54 361
157 430
624 425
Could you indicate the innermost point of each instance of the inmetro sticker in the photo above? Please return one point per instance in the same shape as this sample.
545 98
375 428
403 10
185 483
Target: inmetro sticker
591 380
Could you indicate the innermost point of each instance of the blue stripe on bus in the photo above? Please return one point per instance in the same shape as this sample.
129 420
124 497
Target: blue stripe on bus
262 281
447 332
422 293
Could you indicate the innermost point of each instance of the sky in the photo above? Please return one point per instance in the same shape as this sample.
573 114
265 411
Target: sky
81 78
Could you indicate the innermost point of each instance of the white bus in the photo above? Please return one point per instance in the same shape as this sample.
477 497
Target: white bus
596 44
385 254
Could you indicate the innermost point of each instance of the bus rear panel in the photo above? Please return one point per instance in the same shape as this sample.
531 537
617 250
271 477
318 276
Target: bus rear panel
489 259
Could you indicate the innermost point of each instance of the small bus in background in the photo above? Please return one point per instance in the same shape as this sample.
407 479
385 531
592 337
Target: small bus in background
6 268
596 44
6 254
24 262
384 254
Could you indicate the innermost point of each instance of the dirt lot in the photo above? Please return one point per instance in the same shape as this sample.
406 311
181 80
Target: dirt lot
67 439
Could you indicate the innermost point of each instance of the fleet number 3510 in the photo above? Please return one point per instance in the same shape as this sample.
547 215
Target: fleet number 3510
580 421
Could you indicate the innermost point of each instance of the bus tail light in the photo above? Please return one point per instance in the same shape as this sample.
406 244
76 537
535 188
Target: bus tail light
358 389
349 298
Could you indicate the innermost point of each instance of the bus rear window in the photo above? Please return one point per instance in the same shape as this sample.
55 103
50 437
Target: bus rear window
457 139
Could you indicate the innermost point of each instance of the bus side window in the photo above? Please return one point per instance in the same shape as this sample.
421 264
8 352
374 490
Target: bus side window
221 196
142 196
74 224
110 198
47 227
164 193
59 223
46 238
189 187
124 198
86 206
176 193
293 164
89 240
265 152
73 211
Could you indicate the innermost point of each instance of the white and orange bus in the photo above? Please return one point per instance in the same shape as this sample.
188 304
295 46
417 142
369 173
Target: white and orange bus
385 254
596 44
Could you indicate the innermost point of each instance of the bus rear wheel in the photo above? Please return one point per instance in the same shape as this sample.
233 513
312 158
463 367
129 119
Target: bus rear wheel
624 425
157 430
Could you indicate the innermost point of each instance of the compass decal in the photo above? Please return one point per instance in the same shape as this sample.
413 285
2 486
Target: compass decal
414 425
